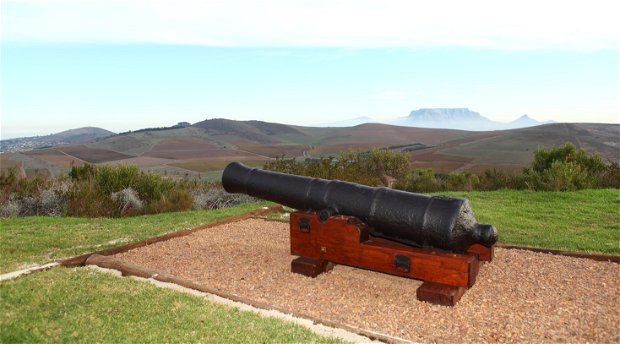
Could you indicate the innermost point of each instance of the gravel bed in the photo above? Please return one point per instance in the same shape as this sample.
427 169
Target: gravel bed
521 296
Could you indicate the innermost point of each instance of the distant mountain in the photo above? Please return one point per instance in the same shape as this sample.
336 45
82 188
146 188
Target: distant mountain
257 131
71 136
460 118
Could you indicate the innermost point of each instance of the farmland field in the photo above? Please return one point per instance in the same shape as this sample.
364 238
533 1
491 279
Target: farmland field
93 155
224 141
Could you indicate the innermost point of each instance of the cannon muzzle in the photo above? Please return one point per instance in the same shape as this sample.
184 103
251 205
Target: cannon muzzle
436 222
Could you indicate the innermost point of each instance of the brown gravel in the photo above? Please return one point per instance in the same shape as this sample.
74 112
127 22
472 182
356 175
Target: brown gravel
521 296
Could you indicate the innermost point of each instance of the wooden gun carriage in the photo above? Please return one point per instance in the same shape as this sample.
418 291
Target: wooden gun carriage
433 239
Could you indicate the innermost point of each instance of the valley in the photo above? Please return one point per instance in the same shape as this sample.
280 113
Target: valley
203 149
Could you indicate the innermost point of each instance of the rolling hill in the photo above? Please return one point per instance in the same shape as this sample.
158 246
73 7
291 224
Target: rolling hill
79 135
206 147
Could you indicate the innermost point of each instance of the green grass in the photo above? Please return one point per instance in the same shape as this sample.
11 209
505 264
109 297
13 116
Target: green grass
38 239
84 306
587 220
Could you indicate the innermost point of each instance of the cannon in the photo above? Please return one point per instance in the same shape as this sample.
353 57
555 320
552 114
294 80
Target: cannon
443 223
433 238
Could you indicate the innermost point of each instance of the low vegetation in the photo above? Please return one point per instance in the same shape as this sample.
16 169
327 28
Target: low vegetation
565 168
124 190
85 306
108 191
586 220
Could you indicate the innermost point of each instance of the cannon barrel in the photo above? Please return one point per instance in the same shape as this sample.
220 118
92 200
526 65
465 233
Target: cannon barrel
436 222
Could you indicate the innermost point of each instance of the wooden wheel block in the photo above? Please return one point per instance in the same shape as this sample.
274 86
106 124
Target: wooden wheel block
310 267
440 294
484 254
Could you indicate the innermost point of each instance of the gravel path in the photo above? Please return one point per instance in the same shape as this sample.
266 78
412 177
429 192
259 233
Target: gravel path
521 296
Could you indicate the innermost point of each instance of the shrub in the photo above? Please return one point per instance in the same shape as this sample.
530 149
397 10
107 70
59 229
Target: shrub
462 182
419 180
177 199
216 198
564 169
128 201
375 167
86 200
610 178
10 207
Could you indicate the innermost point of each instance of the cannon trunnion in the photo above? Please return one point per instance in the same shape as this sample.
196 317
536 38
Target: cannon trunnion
434 239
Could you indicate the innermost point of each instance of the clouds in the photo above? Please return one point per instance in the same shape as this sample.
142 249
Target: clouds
521 25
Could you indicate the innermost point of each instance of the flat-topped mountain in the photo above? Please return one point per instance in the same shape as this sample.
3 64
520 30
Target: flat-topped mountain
445 115
460 118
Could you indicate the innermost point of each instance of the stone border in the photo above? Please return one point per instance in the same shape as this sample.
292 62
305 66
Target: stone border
316 328
15 274
594 256
81 260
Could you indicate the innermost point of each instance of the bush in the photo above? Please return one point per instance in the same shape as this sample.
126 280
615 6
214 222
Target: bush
462 182
37 197
377 167
564 169
128 201
419 180
177 199
610 178
86 200
216 198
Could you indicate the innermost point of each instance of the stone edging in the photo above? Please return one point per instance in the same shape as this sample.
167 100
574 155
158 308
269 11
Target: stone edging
81 260
594 256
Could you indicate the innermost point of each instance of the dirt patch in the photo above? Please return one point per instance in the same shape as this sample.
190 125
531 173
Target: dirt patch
521 296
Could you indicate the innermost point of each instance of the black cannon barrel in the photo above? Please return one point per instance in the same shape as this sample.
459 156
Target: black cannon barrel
444 223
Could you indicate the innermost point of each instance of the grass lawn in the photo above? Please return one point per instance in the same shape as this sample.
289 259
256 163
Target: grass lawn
38 239
84 306
81 305
586 220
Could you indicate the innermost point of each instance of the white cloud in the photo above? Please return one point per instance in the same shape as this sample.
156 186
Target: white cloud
526 24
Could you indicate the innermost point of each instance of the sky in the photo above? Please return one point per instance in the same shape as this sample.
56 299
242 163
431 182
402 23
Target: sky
126 65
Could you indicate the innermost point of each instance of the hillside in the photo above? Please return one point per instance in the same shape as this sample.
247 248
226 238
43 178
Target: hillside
79 135
206 147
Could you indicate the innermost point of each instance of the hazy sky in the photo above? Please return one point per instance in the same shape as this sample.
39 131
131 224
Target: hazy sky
124 65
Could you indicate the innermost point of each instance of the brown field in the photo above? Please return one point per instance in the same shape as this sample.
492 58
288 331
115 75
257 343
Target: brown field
6 162
92 155
206 150
386 135
56 157
143 161
273 151
193 148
